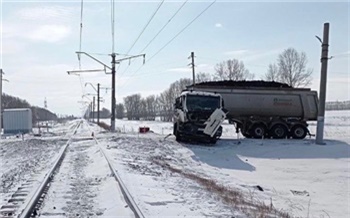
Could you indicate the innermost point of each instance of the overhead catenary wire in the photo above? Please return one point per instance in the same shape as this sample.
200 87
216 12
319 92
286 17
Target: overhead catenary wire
183 29
179 9
112 23
166 24
80 43
81 30
142 31
144 28
171 40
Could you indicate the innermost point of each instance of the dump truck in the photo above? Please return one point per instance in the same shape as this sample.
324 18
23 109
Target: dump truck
198 115
261 109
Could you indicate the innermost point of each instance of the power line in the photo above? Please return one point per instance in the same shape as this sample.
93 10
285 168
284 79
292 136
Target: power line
142 31
183 4
178 10
183 29
144 28
112 24
80 42
81 30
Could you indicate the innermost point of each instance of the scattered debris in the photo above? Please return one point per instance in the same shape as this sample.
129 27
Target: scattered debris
259 188
143 129
300 193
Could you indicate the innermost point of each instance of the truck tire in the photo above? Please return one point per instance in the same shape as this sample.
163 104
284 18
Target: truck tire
178 137
258 131
299 131
213 140
176 133
278 131
245 134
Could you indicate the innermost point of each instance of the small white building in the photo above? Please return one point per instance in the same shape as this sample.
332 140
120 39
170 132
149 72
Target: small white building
17 121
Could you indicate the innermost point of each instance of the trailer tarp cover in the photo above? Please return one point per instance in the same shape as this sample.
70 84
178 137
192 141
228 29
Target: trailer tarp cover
243 83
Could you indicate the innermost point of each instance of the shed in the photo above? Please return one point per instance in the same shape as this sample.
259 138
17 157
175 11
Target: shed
17 120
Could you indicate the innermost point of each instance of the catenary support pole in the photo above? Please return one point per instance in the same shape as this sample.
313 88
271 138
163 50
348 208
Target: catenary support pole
113 94
193 73
98 103
114 62
93 109
0 102
323 85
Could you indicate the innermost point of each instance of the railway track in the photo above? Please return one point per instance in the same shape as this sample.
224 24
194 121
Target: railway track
82 182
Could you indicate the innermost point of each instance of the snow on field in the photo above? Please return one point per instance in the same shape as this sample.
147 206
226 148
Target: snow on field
297 176
294 176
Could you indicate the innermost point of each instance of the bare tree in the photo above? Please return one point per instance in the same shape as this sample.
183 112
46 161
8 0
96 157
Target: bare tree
292 68
142 112
165 103
203 77
132 105
232 70
272 73
151 107
120 111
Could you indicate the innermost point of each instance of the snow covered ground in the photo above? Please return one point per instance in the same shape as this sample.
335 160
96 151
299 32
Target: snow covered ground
297 176
166 178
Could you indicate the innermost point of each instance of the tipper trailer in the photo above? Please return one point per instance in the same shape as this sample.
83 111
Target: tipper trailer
265 109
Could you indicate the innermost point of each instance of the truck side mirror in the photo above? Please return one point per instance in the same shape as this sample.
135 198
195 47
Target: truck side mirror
177 103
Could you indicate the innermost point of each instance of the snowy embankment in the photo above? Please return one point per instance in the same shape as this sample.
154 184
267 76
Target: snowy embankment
296 176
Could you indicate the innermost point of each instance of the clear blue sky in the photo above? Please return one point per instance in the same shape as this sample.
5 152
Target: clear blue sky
39 40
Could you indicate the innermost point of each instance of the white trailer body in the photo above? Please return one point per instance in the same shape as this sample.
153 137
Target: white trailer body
17 121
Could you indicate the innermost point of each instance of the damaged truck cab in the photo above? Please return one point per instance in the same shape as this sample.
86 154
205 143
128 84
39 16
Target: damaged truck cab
198 115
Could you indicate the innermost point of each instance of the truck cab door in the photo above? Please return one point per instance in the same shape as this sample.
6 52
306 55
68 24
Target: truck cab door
214 122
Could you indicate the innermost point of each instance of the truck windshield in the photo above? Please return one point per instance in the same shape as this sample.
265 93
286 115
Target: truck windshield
197 102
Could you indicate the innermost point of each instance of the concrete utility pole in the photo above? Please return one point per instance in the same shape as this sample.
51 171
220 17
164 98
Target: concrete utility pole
0 102
113 94
93 108
323 85
192 65
98 103
114 62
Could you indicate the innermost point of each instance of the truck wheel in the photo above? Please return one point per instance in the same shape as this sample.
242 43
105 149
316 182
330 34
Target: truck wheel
278 131
299 132
178 136
247 135
213 140
176 133
258 131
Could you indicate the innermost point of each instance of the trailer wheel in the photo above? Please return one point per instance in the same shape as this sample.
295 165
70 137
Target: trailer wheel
299 132
258 131
278 131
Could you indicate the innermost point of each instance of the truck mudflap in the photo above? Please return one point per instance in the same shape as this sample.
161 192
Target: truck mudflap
214 122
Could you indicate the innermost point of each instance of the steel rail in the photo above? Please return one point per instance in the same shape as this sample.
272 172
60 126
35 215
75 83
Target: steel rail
129 199
30 206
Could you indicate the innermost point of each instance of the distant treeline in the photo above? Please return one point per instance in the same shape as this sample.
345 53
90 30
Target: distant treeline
38 113
338 105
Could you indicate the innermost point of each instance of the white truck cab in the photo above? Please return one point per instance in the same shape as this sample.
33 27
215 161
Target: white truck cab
198 115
